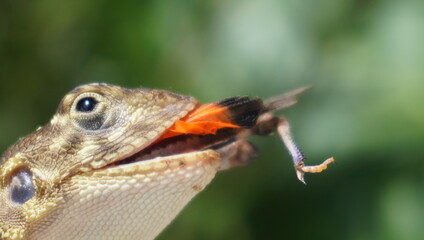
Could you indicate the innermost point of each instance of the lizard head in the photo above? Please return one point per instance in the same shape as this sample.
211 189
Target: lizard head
116 163
78 177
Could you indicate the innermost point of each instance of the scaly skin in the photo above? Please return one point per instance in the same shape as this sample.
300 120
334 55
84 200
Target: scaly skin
66 162
82 192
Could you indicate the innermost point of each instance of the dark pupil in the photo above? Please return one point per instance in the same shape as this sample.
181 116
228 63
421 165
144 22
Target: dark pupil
86 104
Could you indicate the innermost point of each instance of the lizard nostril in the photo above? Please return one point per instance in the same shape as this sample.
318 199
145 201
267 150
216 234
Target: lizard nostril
22 187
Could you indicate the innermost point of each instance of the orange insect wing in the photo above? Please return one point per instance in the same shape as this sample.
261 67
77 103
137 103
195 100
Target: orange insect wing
206 119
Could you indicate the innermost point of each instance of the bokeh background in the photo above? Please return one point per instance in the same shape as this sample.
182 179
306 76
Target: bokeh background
364 58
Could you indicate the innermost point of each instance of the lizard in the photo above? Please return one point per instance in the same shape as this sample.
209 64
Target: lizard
118 163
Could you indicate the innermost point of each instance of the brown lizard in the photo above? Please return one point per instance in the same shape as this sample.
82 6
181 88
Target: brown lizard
116 163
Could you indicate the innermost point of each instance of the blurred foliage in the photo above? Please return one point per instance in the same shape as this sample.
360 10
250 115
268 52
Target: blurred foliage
364 59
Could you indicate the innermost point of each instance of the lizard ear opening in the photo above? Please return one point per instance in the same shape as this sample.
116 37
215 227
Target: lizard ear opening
91 111
21 186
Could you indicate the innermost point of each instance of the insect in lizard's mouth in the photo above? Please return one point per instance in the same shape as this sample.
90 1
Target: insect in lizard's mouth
208 126
180 145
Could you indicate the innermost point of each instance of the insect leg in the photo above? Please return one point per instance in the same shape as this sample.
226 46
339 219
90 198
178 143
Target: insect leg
235 154
283 130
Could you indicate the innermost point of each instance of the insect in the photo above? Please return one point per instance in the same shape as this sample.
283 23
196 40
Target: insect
117 163
244 116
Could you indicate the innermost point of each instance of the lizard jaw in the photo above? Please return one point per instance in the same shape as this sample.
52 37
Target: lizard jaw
159 187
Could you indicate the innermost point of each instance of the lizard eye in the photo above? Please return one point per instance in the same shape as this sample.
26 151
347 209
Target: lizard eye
87 104
91 111
22 187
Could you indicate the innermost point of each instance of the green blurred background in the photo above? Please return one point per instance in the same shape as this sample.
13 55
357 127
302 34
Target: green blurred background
364 59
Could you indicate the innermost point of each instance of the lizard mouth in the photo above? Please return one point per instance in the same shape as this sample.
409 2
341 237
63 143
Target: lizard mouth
182 144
